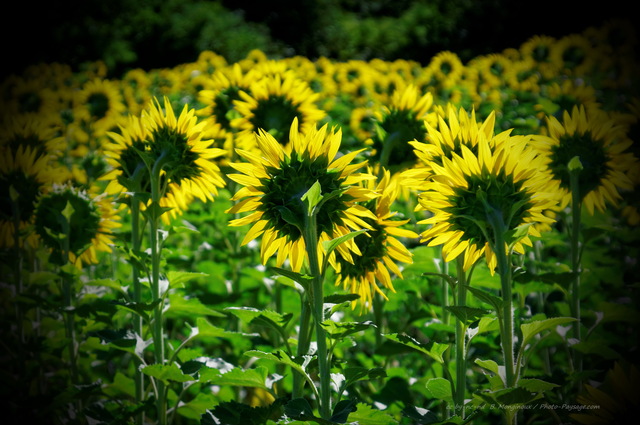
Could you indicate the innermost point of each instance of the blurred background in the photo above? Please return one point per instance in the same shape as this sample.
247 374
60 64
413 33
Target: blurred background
151 34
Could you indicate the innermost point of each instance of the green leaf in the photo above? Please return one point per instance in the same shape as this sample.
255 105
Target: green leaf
68 211
106 283
122 339
355 374
490 365
466 314
167 373
432 349
331 245
597 347
487 298
536 385
340 298
279 356
312 197
195 408
513 236
237 377
339 330
177 279
452 281
181 306
300 409
267 318
234 413
439 388
529 330
303 279
121 385
342 410
366 414
421 416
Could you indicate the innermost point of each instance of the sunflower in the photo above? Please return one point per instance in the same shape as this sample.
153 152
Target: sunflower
602 147
26 130
271 105
454 129
505 175
275 179
187 157
564 96
27 174
75 224
398 123
379 247
538 48
575 55
446 68
100 103
222 90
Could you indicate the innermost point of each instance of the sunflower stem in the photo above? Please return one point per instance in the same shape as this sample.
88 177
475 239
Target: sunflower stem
461 352
317 303
576 213
158 331
500 228
137 298
304 341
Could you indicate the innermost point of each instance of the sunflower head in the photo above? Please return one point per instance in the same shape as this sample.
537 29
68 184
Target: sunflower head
178 149
398 124
503 186
24 176
379 247
599 143
276 180
75 224
271 105
128 170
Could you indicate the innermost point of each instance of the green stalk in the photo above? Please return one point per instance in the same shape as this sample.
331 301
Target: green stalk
461 352
15 209
304 341
576 213
317 304
158 322
137 298
504 269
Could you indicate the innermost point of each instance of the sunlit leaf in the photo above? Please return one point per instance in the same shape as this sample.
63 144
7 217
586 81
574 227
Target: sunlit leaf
167 373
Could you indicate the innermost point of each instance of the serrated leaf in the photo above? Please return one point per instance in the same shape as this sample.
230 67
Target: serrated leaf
167 373
529 330
536 385
196 407
366 414
234 413
238 377
303 279
279 356
268 318
466 314
487 298
181 306
340 330
432 349
439 388
107 283
342 410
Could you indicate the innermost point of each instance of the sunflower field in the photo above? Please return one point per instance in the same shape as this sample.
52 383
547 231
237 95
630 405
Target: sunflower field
297 241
